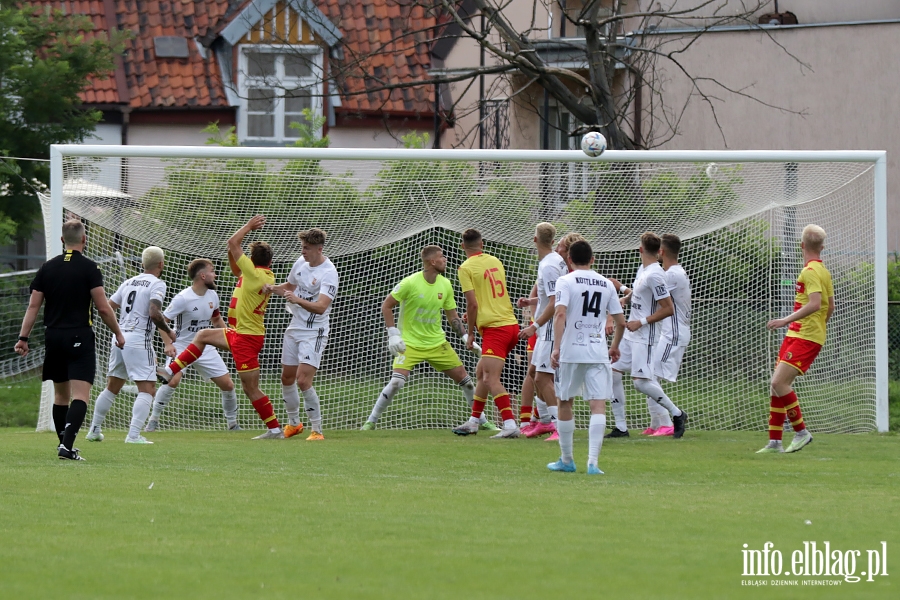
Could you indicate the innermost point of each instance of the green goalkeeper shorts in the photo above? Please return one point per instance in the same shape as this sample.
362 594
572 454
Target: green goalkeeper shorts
442 358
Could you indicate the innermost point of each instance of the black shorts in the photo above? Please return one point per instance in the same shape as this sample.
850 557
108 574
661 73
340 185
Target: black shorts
70 354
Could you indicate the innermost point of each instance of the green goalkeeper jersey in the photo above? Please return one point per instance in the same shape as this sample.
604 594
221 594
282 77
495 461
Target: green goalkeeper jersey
421 304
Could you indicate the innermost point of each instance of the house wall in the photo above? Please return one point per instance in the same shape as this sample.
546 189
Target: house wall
167 135
523 15
368 137
847 96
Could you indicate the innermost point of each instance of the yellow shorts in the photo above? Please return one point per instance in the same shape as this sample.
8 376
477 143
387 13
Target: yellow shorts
442 358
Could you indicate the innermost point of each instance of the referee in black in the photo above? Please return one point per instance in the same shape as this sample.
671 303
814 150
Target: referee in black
71 285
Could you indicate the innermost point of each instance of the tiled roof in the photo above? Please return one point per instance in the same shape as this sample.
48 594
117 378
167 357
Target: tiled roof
100 91
385 42
154 82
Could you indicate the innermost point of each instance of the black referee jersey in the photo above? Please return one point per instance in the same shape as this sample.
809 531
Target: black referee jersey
66 282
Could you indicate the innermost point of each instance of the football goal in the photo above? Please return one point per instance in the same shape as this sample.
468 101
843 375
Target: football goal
739 215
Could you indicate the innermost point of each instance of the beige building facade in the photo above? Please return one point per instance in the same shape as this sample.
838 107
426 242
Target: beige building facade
826 83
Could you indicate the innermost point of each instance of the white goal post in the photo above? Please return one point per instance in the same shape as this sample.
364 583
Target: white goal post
739 214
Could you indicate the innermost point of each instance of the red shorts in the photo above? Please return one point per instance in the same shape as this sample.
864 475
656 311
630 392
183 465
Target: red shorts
499 341
245 349
798 353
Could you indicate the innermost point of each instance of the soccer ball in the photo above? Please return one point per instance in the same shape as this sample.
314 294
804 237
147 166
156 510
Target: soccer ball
593 143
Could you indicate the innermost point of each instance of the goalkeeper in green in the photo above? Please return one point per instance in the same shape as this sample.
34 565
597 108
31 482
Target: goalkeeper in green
420 337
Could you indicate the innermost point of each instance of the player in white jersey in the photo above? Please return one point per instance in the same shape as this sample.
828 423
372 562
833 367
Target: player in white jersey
584 299
550 268
668 352
310 290
650 304
193 309
140 299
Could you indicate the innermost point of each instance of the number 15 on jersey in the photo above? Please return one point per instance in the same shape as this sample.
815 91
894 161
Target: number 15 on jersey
497 288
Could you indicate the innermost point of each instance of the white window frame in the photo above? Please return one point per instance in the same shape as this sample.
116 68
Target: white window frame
278 84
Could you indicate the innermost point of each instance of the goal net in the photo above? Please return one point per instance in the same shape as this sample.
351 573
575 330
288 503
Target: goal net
739 215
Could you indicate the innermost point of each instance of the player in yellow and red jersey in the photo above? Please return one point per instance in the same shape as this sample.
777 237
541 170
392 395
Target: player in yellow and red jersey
246 332
488 308
813 306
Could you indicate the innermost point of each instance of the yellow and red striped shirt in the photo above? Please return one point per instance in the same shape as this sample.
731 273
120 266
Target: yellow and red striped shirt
248 303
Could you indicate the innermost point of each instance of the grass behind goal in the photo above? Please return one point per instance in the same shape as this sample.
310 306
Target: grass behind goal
424 514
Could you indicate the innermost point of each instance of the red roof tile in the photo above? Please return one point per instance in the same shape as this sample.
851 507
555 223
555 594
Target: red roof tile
383 44
378 34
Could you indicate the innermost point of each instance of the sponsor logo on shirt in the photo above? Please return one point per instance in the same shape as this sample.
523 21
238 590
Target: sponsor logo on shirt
440 296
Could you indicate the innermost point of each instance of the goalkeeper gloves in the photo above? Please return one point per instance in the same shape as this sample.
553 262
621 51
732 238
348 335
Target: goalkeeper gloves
395 341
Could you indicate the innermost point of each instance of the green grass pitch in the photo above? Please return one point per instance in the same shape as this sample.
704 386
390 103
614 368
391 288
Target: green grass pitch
425 514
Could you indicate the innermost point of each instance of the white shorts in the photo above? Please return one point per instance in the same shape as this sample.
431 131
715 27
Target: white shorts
540 358
303 346
636 358
210 364
591 381
136 364
667 360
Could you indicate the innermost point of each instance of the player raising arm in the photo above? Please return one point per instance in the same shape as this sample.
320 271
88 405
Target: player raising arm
309 292
194 309
246 332
140 299
583 301
813 306
420 337
483 281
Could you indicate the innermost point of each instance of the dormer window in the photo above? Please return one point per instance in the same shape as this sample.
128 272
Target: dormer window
276 83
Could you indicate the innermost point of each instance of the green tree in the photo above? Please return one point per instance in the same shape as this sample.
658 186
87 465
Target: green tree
46 59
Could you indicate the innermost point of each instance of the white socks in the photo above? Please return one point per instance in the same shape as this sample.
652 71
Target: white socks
566 431
468 389
554 412
291 403
659 416
595 437
230 406
311 402
163 395
387 396
618 402
139 413
101 406
542 413
655 392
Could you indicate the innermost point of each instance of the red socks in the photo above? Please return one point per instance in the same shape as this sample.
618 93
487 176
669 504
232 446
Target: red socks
792 408
190 354
781 405
265 411
524 414
477 407
502 403
776 418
